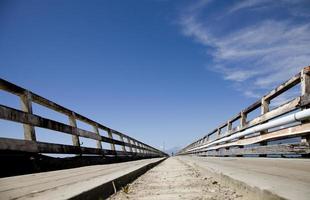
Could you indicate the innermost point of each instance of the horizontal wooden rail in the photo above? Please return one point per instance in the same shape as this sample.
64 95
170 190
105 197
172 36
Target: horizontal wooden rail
34 120
43 147
299 102
30 120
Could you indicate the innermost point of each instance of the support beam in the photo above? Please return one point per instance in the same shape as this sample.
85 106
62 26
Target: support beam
29 131
111 137
130 147
123 146
142 147
229 126
305 81
243 123
218 133
136 148
264 110
96 130
243 120
75 137
265 106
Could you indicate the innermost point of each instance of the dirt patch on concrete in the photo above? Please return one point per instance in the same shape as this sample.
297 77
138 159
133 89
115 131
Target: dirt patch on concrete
174 179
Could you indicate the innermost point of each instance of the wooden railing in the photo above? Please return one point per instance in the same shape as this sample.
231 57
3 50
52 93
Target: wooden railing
259 143
30 121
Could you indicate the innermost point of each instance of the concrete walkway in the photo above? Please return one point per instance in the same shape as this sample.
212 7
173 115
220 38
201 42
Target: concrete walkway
186 177
70 183
181 177
286 178
175 179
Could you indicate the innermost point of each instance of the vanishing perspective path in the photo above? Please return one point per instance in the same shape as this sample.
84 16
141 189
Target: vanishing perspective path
191 177
175 179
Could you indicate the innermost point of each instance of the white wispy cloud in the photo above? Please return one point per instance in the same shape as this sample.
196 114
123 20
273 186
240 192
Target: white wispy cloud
247 4
255 56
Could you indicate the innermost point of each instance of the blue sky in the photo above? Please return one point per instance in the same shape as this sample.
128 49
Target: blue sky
161 71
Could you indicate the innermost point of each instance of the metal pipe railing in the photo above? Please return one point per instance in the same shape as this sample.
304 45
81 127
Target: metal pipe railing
296 117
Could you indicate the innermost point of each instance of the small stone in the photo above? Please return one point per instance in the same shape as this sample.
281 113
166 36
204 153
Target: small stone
212 190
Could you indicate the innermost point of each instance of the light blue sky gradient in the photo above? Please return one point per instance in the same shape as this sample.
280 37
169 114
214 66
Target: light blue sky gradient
161 71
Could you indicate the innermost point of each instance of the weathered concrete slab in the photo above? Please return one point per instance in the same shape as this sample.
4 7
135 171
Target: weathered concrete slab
175 179
79 183
286 178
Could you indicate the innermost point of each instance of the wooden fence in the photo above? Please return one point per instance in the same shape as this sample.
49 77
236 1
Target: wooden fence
261 143
129 145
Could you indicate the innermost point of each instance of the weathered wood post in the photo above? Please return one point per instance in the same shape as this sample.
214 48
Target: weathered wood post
143 150
205 141
123 146
75 137
305 93
134 148
147 150
29 131
137 150
305 82
229 128
218 133
130 147
96 130
140 150
111 137
243 122
243 119
264 109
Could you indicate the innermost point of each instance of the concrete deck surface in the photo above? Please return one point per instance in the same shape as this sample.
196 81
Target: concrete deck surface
287 178
175 179
64 184
181 177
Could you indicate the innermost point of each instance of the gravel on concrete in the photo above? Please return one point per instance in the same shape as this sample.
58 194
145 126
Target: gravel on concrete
175 179
272 178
